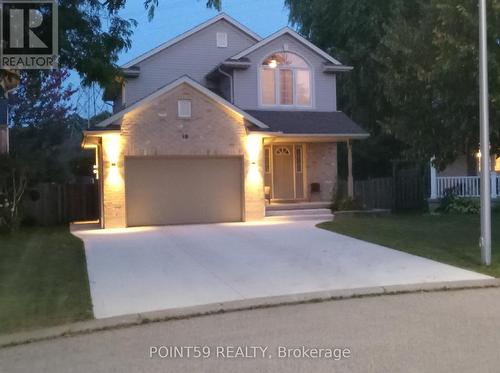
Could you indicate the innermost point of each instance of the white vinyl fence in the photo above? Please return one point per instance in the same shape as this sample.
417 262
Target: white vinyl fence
464 186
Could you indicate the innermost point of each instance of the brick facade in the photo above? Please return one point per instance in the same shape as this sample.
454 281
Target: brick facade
322 168
155 129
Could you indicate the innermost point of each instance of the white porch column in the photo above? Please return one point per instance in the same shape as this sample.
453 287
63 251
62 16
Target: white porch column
493 179
350 180
433 180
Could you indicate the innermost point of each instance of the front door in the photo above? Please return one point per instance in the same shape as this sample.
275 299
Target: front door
283 181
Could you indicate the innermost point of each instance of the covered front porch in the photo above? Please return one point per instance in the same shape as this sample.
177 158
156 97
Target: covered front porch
300 162
303 170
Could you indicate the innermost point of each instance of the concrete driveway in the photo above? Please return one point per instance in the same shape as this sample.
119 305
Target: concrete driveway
145 269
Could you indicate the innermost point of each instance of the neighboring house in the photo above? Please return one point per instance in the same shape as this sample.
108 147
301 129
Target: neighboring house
462 177
210 125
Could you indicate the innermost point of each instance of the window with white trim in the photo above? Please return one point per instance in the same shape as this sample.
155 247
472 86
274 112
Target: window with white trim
285 79
222 40
184 108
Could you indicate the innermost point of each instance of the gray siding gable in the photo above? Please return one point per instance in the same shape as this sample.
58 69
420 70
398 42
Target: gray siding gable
195 55
246 82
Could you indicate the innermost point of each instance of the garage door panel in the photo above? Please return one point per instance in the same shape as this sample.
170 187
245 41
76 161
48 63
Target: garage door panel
163 191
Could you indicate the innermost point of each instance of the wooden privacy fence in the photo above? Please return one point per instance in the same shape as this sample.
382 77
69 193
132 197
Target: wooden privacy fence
410 187
48 203
375 193
406 189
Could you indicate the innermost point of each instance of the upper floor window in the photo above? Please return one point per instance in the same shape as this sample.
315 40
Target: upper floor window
285 79
222 39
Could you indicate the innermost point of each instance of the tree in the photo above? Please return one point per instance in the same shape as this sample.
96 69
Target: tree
13 183
41 98
40 114
416 71
351 31
430 79
151 6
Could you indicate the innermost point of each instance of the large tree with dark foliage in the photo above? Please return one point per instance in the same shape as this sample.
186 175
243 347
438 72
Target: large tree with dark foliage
42 120
416 69
352 31
429 73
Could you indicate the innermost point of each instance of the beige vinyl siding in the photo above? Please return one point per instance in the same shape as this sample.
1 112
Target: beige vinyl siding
194 56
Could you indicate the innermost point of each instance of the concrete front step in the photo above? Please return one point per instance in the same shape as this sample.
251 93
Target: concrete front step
300 214
308 212
298 206
322 217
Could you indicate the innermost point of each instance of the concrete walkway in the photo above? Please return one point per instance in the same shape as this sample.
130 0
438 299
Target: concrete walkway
145 269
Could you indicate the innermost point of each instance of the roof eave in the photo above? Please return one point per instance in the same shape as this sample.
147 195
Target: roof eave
100 132
360 136
332 69
294 34
131 72
243 65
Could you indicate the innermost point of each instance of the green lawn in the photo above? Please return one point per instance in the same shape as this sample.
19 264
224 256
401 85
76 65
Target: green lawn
452 239
43 279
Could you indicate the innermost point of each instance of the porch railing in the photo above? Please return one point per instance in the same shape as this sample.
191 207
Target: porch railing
463 186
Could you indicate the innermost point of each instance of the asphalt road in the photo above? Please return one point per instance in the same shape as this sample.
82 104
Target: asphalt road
457 331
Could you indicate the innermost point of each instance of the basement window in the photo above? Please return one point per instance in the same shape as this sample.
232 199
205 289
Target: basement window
184 108
222 40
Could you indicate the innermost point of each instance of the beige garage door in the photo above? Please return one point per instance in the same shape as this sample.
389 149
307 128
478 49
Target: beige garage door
162 191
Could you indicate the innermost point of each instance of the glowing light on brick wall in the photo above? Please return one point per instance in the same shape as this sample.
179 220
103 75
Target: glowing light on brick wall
112 151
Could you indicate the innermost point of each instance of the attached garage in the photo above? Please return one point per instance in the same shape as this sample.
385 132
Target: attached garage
183 190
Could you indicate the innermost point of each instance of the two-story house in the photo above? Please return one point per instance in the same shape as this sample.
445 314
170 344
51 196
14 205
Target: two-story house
217 123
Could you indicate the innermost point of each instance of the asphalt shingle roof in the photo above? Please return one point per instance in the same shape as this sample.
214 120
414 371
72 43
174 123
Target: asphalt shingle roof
307 122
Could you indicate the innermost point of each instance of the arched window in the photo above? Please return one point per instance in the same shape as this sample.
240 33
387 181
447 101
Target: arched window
285 79
282 151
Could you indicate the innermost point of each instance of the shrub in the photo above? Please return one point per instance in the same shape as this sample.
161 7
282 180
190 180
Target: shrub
452 203
347 204
13 181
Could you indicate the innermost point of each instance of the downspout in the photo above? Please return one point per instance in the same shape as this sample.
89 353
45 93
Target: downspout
230 83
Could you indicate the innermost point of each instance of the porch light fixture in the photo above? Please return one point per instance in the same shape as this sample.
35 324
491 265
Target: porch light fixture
112 149
254 179
273 64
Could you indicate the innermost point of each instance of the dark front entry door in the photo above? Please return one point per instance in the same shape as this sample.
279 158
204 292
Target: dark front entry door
283 172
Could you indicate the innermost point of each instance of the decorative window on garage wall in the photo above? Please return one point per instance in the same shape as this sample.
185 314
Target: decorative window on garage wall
184 108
